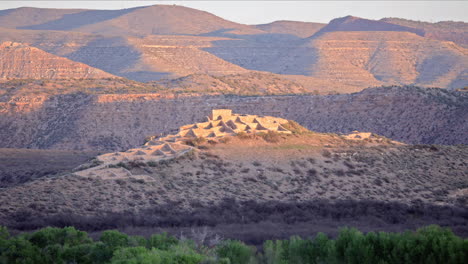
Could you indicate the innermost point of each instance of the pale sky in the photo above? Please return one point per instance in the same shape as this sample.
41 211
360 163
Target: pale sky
258 12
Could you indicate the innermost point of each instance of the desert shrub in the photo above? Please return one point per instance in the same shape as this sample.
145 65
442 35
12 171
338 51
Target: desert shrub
271 136
92 163
224 140
152 163
326 153
256 163
296 128
244 135
195 141
236 251
4 234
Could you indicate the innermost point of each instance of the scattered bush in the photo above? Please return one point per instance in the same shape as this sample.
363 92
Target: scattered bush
296 128
195 141
271 136
244 135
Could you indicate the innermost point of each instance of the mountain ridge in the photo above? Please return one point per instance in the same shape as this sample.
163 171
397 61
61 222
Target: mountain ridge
347 52
22 61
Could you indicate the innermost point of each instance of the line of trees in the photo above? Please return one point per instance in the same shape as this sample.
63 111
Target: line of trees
431 244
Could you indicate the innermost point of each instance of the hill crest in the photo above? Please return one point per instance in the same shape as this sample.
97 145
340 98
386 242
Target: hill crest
23 61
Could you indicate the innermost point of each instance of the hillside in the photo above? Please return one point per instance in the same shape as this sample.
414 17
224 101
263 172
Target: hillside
252 179
351 23
296 28
154 43
122 121
388 57
18 166
30 16
20 61
250 83
444 30
355 54
139 21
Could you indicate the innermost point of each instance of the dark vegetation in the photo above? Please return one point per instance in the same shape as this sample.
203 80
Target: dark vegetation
18 166
296 128
315 216
430 244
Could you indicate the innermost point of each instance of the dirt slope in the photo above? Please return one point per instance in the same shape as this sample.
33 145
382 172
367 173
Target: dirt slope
296 28
21 61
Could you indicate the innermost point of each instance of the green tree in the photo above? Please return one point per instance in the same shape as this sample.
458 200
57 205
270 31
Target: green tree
236 251
162 241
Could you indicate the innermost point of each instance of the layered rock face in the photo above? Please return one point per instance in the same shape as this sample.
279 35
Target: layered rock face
22 61
119 122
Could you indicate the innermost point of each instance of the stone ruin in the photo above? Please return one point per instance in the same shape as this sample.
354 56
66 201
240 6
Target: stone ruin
220 123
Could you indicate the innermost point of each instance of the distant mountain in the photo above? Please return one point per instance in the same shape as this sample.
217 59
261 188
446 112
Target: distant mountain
296 28
351 23
364 57
22 61
30 16
357 52
164 42
139 21
445 30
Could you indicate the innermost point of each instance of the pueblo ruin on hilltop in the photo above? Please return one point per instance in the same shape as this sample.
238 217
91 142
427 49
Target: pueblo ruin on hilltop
219 124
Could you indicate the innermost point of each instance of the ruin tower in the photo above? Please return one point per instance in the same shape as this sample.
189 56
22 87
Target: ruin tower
217 114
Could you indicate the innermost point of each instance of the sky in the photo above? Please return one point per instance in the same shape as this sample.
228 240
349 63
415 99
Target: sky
259 12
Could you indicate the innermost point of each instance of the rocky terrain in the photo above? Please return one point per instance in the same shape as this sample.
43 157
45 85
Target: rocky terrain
20 61
265 185
349 53
121 121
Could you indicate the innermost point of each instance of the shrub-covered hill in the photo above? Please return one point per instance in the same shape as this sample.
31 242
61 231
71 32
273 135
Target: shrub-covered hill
270 185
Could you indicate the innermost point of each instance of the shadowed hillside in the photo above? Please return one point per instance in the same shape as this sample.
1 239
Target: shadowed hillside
139 21
121 121
296 28
19 61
